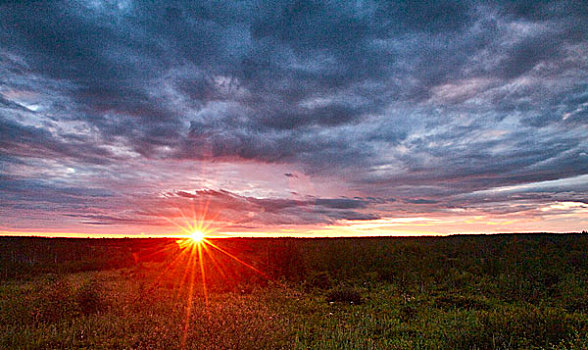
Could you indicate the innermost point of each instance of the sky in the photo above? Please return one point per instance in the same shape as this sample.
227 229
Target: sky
293 118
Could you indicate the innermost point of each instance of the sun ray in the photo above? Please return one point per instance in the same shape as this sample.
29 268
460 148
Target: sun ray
215 262
199 256
184 277
204 289
237 259
171 264
190 300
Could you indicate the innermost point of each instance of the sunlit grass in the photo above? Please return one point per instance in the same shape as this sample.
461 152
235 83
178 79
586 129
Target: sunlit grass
361 293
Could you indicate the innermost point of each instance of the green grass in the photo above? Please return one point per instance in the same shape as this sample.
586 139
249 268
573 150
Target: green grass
453 293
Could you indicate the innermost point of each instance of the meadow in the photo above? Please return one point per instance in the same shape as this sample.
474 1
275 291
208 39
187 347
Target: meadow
458 292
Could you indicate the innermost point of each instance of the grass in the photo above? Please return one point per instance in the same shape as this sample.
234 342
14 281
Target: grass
434 293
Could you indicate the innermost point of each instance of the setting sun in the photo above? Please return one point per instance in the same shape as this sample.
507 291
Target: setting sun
197 236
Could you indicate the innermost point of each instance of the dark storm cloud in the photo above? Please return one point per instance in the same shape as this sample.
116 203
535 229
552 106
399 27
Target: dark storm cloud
415 101
421 201
25 194
32 141
132 219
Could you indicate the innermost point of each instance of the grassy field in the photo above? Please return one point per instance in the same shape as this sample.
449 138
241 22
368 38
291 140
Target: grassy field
459 292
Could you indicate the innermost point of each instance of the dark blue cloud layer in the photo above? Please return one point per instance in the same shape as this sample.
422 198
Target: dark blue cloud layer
426 103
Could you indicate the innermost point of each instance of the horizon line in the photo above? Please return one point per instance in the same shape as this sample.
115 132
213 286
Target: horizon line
8 234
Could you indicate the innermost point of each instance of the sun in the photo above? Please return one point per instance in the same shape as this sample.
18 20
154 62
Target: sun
197 236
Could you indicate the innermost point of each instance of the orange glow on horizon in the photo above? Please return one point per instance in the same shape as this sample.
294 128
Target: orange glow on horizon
555 217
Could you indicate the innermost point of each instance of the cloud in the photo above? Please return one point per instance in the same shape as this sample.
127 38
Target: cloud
386 99
265 211
421 201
